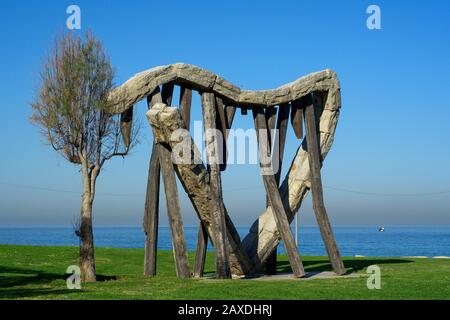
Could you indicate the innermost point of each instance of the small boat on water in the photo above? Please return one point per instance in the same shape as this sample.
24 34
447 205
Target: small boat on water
381 229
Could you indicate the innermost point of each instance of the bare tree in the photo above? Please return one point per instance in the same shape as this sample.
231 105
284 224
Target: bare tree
71 109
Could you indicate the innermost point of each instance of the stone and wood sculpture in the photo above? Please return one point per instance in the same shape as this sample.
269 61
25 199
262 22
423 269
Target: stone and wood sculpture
313 99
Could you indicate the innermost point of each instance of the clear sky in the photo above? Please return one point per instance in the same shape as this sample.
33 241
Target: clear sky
392 138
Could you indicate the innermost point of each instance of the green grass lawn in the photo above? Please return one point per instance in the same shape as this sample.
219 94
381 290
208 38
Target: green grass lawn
28 272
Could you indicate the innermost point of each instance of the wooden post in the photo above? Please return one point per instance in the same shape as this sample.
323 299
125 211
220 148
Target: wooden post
126 124
221 125
151 211
278 146
297 119
209 122
151 214
230 112
271 117
200 256
315 164
278 208
185 105
174 213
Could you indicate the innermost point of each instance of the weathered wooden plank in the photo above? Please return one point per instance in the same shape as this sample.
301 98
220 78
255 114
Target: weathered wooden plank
230 112
185 105
281 129
278 145
126 123
315 164
297 119
212 155
221 125
151 214
174 213
167 93
278 207
151 211
271 119
200 256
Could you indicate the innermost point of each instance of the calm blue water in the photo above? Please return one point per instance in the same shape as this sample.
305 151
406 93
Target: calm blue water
352 240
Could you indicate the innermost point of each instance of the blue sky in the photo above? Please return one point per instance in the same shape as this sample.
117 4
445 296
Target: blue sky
392 138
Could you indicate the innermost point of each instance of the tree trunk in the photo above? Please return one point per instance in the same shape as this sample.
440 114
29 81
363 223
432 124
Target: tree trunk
87 261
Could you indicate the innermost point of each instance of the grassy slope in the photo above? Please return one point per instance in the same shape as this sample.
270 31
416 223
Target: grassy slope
38 273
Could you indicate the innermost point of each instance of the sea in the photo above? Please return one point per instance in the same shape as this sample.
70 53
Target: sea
395 241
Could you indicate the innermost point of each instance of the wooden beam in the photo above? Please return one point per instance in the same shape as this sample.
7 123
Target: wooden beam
278 208
211 143
282 125
271 117
167 93
221 125
297 119
200 256
126 124
278 145
174 213
230 112
151 211
185 105
315 163
151 214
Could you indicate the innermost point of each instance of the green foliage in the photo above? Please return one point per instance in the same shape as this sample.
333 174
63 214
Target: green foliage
28 272
72 103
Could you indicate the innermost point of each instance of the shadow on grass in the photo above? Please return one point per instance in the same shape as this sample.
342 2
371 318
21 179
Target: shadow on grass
13 280
33 292
352 265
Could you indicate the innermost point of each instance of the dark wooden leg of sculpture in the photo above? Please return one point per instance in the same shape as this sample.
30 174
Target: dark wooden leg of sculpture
278 209
278 145
315 164
220 242
200 256
174 213
151 212
271 116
